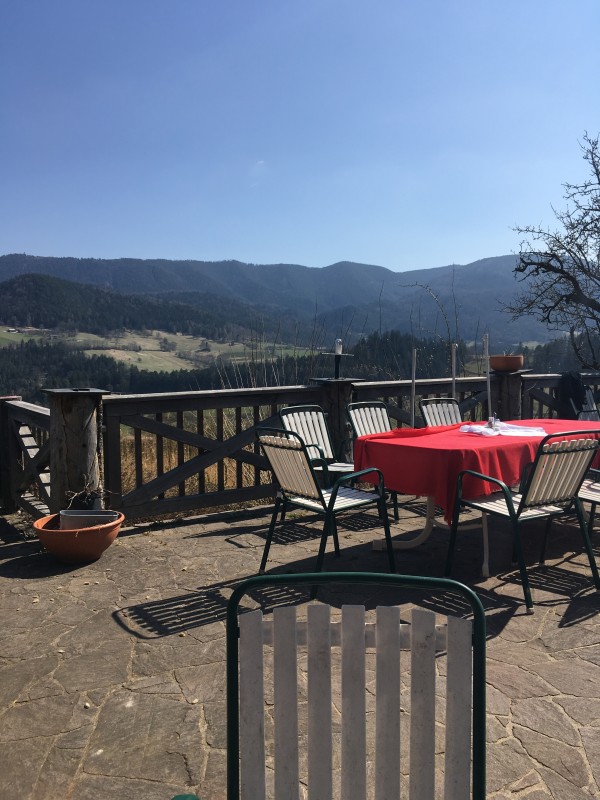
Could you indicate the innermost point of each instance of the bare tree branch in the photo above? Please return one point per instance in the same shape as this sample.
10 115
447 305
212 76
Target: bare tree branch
561 268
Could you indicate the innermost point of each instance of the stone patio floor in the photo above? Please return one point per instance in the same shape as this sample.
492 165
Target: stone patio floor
112 674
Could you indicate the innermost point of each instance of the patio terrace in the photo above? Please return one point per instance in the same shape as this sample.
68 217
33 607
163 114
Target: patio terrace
112 674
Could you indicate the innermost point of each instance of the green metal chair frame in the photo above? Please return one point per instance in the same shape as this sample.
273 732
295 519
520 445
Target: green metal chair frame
437 585
549 488
298 485
371 416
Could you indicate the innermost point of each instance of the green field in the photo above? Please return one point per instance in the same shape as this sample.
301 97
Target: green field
150 353
155 351
14 338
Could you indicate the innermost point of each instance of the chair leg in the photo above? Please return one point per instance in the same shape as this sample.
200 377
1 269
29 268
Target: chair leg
518 550
336 541
383 513
452 542
323 543
545 539
395 505
588 545
591 518
485 567
321 554
514 559
278 502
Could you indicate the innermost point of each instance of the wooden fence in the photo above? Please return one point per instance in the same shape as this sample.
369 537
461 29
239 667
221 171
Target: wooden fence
160 454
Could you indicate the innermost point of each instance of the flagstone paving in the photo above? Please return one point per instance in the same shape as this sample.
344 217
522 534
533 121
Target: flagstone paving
112 674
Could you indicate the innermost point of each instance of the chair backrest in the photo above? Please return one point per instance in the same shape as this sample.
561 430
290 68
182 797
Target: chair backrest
438 411
368 417
340 656
290 462
559 469
589 411
570 394
310 423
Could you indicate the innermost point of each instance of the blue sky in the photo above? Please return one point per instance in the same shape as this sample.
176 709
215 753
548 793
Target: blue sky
404 134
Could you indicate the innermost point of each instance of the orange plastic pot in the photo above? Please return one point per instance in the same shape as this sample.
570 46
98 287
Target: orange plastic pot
77 546
506 363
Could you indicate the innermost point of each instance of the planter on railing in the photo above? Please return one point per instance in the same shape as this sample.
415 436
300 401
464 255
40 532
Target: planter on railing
506 363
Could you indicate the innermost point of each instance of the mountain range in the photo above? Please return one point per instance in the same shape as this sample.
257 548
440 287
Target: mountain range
345 299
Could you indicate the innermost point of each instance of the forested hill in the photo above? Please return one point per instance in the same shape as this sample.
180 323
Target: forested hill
42 301
462 301
283 285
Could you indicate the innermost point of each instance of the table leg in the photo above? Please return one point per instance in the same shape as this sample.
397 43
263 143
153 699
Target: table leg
431 522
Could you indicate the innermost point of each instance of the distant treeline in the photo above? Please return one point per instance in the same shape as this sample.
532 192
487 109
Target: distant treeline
28 368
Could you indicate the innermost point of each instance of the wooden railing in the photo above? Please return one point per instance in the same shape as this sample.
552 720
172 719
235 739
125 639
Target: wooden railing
168 453
397 395
538 394
162 454
24 456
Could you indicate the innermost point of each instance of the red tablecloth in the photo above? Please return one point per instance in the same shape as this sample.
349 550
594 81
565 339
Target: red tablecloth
426 461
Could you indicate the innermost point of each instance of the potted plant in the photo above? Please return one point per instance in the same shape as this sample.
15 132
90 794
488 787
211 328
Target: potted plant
71 538
508 362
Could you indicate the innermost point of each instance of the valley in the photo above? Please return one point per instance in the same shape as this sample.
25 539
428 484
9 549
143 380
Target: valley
57 332
157 351
154 351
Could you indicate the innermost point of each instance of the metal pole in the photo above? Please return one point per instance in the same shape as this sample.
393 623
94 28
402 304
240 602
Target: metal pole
454 348
338 357
413 388
486 359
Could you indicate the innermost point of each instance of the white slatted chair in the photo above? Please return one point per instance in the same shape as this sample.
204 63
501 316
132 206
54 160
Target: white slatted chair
590 409
298 485
549 488
302 745
310 424
437 411
590 493
369 417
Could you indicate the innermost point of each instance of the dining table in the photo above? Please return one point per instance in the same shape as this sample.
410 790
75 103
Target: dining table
426 462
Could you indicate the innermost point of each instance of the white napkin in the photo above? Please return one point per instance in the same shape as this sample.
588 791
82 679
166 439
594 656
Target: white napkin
481 430
502 429
506 429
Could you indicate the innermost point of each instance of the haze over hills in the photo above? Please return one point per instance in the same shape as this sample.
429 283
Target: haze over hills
346 298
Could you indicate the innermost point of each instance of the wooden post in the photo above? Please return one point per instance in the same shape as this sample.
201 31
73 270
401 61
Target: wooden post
75 469
508 385
336 394
7 450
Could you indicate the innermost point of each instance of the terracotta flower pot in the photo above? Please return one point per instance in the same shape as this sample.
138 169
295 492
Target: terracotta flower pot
76 546
506 363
